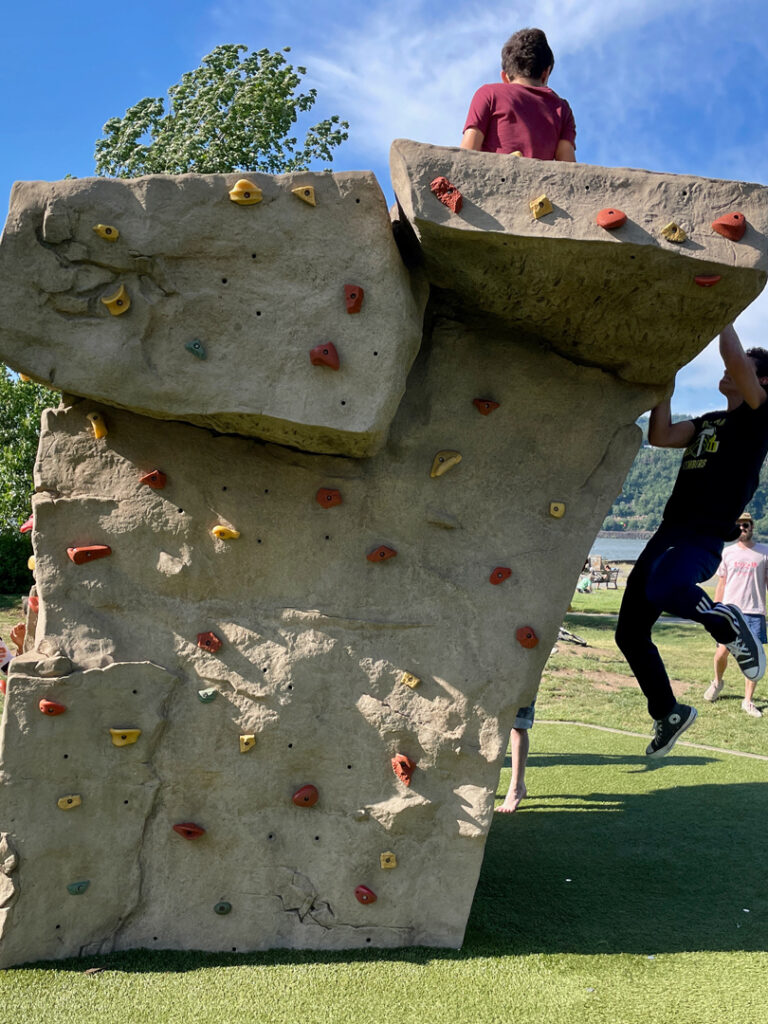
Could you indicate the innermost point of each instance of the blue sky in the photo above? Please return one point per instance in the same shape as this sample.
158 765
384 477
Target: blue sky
666 85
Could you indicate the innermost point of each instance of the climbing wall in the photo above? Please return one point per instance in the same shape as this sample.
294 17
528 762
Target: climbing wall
269 690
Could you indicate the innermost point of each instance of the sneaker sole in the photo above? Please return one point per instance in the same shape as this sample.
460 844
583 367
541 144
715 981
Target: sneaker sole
757 673
666 749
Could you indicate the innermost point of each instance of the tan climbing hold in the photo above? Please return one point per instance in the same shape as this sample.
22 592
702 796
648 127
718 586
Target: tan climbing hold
118 303
443 461
540 206
247 741
409 679
245 193
66 803
388 860
306 193
557 509
124 737
674 233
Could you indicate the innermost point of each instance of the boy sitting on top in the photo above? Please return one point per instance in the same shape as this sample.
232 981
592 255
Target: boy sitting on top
521 114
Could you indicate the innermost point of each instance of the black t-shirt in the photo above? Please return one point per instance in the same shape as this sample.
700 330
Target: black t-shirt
720 471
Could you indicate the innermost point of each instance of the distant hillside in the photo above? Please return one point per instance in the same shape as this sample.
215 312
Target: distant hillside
649 483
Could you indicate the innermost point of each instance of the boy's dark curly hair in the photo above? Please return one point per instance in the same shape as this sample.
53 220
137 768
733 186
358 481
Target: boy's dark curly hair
527 54
760 357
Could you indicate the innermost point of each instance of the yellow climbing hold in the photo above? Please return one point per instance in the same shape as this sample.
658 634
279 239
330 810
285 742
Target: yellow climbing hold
388 859
516 152
31 563
225 533
98 424
245 193
247 741
307 193
444 461
124 737
107 232
557 509
409 679
540 206
118 303
66 803
673 232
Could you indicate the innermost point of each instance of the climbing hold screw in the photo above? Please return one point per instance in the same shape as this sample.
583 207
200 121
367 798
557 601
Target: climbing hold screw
245 193
247 741
98 425
208 642
324 355
447 193
388 860
197 348
381 554
52 707
499 574
526 637
540 206
222 907
731 225
124 737
118 303
365 895
444 461
206 696
156 479
307 796
306 193
673 232
485 406
403 767
557 509
28 525
66 803
77 888
225 533
611 219
107 232
89 553
707 280
353 296
328 497
189 830
409 679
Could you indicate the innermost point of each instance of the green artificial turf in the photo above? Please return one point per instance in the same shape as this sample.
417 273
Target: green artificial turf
622 891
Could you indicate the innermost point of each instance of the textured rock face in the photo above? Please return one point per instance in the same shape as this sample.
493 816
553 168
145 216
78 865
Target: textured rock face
257 286
268 628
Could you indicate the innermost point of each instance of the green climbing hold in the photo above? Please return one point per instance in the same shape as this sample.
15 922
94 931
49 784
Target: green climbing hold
197 348
206 696
77 888
223 907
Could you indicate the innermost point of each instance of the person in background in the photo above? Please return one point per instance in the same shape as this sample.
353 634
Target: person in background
519 746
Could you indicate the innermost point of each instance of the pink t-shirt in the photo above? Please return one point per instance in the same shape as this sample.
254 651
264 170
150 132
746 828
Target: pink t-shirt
745 571
528 118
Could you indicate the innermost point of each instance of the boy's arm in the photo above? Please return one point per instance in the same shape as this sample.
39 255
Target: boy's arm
740 368
663 433
565 151
472 139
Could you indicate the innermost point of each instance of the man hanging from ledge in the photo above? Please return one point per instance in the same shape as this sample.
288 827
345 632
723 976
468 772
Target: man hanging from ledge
718 475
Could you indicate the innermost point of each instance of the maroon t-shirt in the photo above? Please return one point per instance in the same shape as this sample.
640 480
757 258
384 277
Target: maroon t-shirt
528 118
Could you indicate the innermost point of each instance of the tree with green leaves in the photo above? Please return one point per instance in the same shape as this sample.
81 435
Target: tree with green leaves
229 114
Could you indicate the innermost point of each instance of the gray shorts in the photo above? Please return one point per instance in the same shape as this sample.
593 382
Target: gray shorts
524 719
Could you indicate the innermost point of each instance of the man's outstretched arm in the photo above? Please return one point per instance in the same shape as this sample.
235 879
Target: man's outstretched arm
663 433
740 368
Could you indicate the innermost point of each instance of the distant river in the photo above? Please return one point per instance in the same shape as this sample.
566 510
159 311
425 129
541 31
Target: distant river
615 548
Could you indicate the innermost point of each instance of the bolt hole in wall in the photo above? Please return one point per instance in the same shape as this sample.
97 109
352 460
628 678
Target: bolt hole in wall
223 280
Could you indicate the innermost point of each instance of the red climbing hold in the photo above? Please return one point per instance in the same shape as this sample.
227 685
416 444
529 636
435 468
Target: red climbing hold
52 707
707 280
307 796
28 525
156 479
381 554
208 642
3 685
499 574
731 225
328 497
485 405
403 767
611 219
353 296
447 193
365 895
89 553
34 604
189 830
324 355
526 637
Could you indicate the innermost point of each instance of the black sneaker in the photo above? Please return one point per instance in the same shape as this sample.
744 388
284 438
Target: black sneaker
667 731
749 654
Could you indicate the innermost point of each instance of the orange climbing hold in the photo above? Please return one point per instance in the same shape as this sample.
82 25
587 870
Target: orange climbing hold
324 355
307 796
208 642
29 525
485 405
610 219
731 225
189 830
381 554
353 296
52 707
156 479
526 637
365 895
403 767
328 497
499 574
89 553
707 280
447 193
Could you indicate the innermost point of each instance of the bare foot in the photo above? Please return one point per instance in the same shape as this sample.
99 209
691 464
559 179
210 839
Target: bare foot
512 801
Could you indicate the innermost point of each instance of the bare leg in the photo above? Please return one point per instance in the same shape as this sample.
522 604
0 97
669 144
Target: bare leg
721 660
519 746
749 689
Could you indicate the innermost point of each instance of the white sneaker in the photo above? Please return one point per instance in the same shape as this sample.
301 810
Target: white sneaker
713 691
749 707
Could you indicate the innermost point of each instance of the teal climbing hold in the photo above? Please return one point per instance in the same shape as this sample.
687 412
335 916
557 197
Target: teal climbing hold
77 888
197 348
222 907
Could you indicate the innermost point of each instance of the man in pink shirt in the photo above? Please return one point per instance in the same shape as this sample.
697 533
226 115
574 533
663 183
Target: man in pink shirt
521 114
743 578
